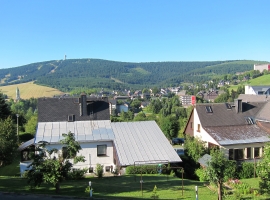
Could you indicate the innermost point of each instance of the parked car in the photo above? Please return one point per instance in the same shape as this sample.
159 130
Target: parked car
180 151
178 141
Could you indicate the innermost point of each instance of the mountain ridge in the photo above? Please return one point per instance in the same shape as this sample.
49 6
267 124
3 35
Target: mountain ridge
66 75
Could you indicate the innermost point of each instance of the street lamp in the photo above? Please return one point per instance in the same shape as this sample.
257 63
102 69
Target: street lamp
17 127
90 188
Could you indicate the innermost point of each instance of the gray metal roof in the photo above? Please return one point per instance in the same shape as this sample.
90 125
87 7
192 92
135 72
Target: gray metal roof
142 141
26 144
204 160
134 141
84 131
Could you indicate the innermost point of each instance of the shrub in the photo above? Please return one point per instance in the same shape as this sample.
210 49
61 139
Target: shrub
99 170
144 169
243 188
246 170
200 172
76 174
231 170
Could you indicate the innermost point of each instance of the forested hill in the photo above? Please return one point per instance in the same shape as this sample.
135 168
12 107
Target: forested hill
95 73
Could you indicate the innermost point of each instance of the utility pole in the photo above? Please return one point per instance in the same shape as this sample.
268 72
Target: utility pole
18 128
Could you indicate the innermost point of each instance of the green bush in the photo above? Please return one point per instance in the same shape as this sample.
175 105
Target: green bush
144 169
243 188
246 170
76 174
200 172
231 170
99 171
23 137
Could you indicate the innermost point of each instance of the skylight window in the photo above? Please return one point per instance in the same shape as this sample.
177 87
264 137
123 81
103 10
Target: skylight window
249 120
228 106
208 109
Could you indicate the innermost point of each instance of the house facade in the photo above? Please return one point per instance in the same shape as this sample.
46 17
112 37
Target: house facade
239 128
111 144
257 90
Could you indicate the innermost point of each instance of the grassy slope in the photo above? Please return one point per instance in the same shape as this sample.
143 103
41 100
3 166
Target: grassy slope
262 80
28 90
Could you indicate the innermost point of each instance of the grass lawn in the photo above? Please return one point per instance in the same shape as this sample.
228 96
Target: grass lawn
123 187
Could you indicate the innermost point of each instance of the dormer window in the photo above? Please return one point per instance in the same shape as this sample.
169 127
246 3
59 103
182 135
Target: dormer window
71 118
228 106
208 109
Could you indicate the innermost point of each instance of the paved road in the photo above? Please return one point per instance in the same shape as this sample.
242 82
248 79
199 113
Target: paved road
14 196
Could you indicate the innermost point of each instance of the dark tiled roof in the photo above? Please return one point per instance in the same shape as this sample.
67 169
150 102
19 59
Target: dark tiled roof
58 109
264 114
264 125
221 116
227 135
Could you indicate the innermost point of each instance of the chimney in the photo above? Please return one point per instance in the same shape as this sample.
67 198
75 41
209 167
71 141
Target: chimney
238 105
83 105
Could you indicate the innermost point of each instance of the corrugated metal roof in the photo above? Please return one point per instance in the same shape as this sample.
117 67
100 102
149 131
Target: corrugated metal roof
84 131
142 141
134 141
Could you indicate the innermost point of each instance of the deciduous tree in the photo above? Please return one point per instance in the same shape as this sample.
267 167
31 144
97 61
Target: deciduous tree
216 170
263 170
53 165
8 141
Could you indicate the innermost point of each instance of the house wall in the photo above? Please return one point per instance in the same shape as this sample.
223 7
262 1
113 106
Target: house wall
202 134
190 126
262 67
249 90
244 146
89 151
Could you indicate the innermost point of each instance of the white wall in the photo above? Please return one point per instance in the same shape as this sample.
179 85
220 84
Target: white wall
203 135
249 90
89 151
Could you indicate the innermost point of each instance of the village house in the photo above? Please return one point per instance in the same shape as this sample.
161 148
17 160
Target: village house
116 144
240 128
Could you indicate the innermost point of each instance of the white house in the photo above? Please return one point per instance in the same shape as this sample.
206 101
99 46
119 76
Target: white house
108 143
257 90
262 67
239 128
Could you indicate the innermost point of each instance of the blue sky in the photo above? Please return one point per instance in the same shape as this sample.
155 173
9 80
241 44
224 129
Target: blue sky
133 30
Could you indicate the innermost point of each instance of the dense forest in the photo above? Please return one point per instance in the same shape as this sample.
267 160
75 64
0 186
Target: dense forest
67 75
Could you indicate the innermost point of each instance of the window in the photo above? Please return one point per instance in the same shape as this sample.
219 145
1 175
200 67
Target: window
239 154
199 128
248 153
257 152
208 109
101 150
191 125
231 157
228 106
70 118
